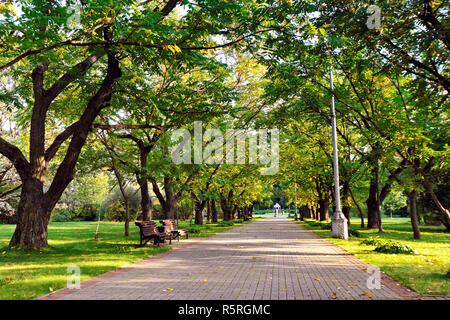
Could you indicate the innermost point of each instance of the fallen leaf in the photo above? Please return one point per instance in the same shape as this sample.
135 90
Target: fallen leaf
333 295
367 294
51 289
318 279
170 289
254 258
206 280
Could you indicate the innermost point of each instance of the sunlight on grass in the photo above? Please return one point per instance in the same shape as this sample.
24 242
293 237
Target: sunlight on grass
27 274
424 272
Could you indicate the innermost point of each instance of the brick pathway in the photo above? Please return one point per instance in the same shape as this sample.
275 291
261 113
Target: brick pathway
269 259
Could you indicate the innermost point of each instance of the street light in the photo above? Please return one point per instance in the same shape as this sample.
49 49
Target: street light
338 222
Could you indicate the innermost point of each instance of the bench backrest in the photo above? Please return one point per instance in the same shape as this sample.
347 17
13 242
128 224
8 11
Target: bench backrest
147 227
170 225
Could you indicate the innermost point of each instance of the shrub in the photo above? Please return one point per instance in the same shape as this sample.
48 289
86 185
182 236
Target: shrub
371 242
325 226
395 247
194 229
225 223
7 213
64 216
115 212
354 233
447 275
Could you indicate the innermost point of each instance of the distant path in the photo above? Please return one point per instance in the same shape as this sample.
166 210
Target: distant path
272 258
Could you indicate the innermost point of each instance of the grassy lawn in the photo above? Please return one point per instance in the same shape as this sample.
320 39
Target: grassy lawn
425 272
33 273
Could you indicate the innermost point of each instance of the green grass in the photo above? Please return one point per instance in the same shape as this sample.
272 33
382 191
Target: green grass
32 273
424 272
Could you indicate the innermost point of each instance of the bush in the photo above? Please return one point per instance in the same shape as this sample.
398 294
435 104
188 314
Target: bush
7 213
371 242
354 233
194 229
447 275
64 216
88 212
326 226
395 247
225 223
115 212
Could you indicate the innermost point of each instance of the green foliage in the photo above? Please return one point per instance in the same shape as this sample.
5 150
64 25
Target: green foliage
424 272
392 246
372 242
194 229
64 216
319 224
115 212
225 223
354 233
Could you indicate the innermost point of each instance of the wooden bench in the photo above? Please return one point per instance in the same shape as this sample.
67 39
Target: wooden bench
172 231
149 230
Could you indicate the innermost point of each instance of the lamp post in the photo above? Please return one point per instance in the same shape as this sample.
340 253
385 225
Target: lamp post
338 222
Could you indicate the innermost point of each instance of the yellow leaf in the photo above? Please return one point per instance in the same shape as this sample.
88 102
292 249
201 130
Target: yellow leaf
367 294
170 289
206 280
318 279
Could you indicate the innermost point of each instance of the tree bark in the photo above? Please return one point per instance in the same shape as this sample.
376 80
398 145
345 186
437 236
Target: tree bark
361 215
35 206
412 195
213 211
345 195
372 202
323 210
226 205
32 217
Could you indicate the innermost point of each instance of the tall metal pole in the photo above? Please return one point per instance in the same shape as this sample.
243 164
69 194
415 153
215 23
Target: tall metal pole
338 222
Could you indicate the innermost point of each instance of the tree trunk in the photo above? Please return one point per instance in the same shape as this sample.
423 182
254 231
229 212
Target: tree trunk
124 195
413 213
372 202
146 202
32 217
361 215
227 206
324 206
35 206
199 207
208 211
213 211
345 198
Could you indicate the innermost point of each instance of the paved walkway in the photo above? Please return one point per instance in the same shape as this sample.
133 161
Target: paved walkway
269 259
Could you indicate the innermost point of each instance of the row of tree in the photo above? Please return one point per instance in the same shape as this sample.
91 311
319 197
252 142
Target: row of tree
108 96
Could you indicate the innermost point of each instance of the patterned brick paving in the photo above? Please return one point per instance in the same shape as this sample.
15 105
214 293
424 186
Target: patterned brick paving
269 259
